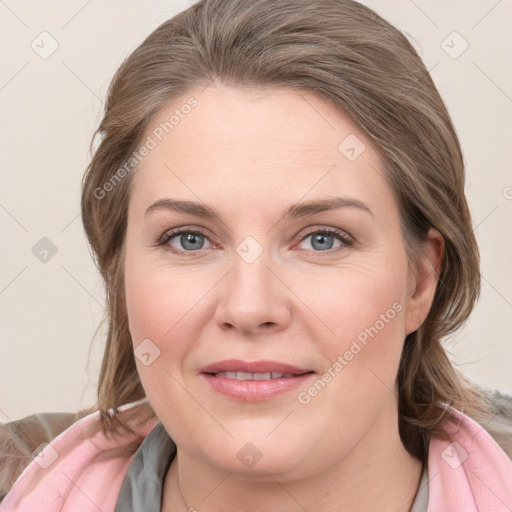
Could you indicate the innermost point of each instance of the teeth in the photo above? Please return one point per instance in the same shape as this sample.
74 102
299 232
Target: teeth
244 376
254 376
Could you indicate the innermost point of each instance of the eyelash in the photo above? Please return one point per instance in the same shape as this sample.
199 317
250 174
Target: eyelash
348 241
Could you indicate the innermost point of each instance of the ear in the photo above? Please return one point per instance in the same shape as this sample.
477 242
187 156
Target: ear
422 285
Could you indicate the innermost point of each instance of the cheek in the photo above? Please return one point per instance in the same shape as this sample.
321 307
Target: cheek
159 300
360 301
365 311
367 314
152 309
159 309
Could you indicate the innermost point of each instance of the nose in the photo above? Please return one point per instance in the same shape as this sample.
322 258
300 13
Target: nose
254 298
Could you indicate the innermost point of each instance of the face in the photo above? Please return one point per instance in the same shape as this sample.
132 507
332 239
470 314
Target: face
324 297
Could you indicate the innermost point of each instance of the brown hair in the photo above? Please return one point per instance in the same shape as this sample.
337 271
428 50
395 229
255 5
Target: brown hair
348 55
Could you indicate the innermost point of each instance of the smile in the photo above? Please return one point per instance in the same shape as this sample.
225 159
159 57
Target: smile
254 376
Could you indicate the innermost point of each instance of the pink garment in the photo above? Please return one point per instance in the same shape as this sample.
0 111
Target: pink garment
470 474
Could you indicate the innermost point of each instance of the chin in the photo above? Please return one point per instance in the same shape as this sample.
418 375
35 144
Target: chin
255 452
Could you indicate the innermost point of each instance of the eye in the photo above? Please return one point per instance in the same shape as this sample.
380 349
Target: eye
188 240
323 240
191 240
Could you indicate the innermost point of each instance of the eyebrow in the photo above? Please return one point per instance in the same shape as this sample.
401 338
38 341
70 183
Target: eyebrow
294 211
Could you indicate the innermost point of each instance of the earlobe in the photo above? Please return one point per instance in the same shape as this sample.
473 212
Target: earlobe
424 282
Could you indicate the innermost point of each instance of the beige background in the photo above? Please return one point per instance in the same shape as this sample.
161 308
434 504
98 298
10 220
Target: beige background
49 108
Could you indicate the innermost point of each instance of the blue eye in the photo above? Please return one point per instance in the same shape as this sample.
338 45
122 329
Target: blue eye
324 240
192 240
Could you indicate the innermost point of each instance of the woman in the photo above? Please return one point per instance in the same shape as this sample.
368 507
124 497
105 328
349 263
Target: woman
277 209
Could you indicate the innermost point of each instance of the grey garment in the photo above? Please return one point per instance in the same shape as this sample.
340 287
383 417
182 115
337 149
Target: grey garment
142 486
421 501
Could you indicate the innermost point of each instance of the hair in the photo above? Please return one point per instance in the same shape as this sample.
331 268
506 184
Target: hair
346 54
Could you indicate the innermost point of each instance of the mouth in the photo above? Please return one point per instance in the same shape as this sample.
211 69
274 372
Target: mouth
255 376
254 381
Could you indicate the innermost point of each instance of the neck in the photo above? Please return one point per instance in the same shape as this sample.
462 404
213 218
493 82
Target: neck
378 470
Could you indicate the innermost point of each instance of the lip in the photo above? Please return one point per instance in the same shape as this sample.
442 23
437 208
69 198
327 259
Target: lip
254 390
236 365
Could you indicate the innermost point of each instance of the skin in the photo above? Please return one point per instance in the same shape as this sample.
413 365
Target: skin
249 154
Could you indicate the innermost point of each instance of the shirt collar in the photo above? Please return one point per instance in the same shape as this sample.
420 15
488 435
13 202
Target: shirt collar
143 483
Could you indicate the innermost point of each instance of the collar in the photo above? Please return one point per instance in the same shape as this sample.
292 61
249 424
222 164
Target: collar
142 486
469 471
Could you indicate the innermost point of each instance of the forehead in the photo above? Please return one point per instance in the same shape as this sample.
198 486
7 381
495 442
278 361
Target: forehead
257 143
253 121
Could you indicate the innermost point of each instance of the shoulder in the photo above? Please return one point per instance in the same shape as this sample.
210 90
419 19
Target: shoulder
498 422
473 464
21 438
45 447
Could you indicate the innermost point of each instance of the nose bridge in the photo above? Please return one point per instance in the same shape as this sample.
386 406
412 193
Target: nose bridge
253 295
252 278
251 269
